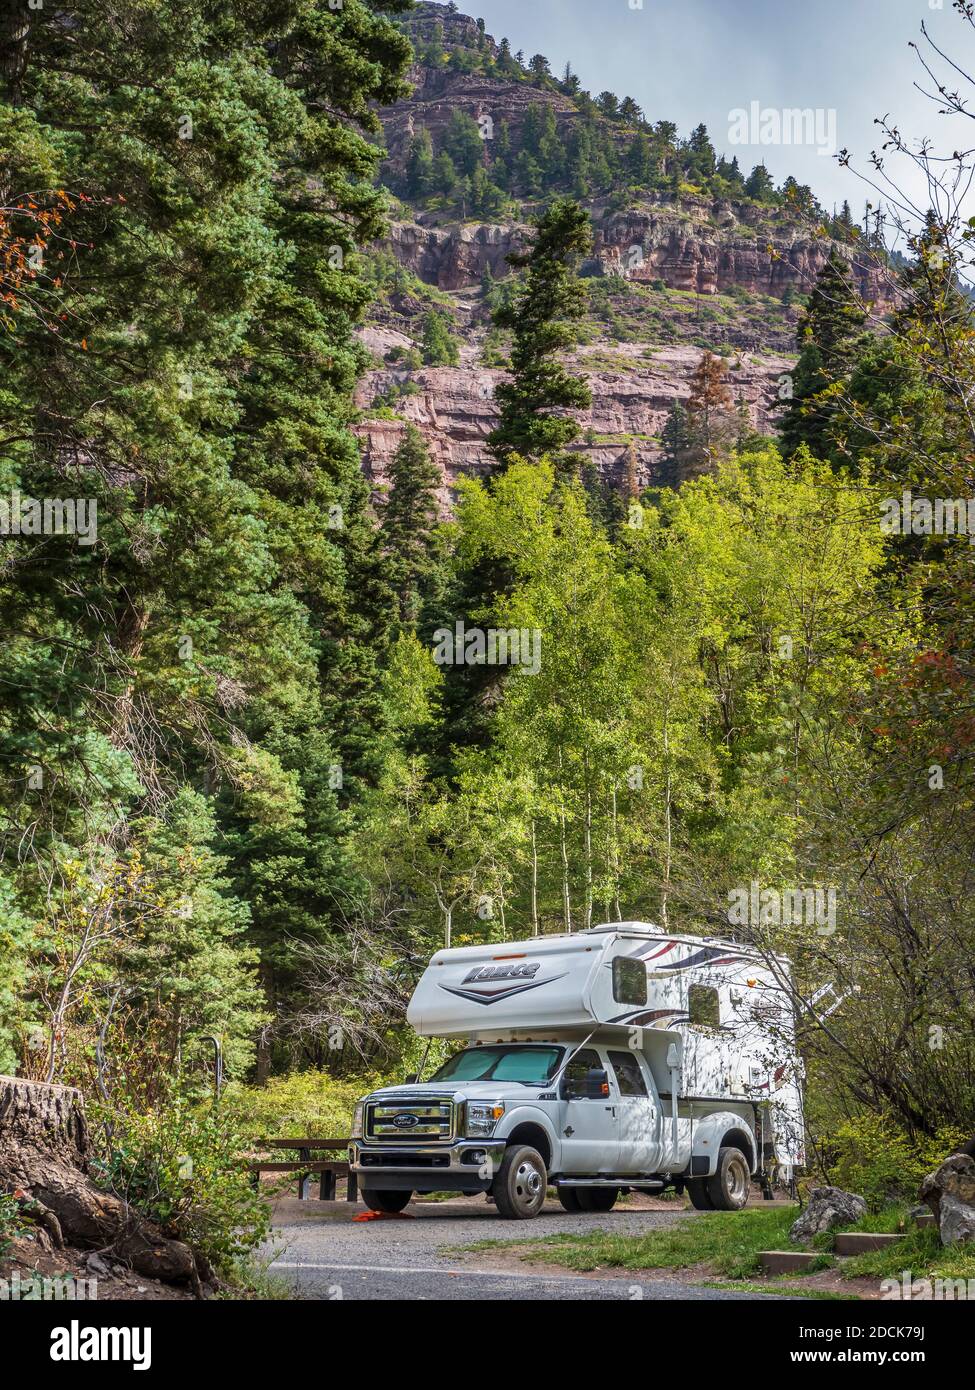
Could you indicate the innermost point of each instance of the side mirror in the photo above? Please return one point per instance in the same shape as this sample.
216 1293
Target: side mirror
593 1086
412 1079
597 1083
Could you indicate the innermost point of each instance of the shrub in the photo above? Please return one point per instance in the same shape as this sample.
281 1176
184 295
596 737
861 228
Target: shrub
11 1223
183 1166
875 1158
308 1103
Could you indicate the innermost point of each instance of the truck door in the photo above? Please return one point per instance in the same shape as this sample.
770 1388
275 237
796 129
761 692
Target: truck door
639 1110
590 1117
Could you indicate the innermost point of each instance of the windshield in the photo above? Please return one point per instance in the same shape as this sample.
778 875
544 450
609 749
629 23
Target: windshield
531 1065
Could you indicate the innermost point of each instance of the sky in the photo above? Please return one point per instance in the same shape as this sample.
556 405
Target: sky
700 60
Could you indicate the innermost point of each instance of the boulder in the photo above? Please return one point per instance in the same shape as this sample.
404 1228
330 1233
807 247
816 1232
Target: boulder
828 1208
955 1177
950 1193
957 1221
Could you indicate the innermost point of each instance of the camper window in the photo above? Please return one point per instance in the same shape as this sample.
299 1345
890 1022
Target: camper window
629 981
628 1075
704 1007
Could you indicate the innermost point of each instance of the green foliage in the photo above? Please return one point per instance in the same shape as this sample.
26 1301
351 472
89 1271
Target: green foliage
194 359
182 1165
413 549
870 1154
830 323
439 344
548 301
305 1103
11 1220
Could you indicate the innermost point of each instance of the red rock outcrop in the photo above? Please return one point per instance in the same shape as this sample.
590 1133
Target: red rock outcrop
454 410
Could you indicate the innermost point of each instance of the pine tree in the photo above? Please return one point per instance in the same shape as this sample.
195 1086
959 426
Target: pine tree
711 419
759 184
675 440
444 174
226 626
702 159
639 160
827 335
930 288
549 300
439 345
409 525
420 174
462 141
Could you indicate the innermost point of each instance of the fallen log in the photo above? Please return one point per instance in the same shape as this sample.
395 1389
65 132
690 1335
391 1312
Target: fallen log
44 1155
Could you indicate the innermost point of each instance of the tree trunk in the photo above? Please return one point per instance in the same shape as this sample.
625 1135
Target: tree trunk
534 899
44 1152
14 34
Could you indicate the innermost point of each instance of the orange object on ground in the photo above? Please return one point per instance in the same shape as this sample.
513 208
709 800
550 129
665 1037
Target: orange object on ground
384 1216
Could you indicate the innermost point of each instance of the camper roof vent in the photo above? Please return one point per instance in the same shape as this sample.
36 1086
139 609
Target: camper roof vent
647 928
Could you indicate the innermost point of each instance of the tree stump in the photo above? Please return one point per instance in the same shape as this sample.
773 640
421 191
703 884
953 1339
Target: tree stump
44 1152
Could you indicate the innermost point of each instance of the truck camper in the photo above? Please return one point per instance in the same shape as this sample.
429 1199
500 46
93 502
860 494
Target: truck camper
622 1057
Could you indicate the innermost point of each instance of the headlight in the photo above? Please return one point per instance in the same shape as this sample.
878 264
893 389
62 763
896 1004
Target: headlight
356 1130
483 1116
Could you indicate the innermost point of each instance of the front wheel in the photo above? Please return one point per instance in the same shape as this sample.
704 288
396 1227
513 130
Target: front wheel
519 1188
569 1198
732 1181
386 1199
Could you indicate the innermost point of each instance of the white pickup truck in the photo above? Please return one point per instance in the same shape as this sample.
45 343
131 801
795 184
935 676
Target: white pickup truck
613 1059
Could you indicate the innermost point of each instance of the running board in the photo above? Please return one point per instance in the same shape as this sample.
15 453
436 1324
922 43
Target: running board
628 1181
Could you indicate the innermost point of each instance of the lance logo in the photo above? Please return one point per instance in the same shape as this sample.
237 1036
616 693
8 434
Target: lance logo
485 984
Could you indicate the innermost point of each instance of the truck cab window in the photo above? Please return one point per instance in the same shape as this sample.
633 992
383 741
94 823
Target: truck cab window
584 1077
628 1074
704 1007
629 980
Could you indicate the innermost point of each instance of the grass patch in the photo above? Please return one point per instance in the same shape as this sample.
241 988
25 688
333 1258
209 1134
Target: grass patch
921 1252
782 1290
729 1242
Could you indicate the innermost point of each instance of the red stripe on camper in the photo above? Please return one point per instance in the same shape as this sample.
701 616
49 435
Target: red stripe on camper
667 946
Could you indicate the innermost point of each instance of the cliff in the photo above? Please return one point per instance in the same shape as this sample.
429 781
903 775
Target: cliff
677 267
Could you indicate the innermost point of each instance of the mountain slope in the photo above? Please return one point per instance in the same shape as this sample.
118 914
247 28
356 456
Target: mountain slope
689 253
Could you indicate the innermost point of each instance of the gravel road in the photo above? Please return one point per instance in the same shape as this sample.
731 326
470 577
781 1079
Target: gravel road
322 1253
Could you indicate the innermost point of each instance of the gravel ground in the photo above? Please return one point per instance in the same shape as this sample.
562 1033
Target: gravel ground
320 1252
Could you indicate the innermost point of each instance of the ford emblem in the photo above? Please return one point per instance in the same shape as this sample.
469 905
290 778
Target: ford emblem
404 1121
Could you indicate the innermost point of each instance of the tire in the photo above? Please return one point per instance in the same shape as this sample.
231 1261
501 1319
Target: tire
731 1184
519 1188
697 1190
569 1197
598 1198
388 1199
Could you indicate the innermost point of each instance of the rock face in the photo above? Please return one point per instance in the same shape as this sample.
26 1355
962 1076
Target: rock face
701 247
828 1209
700 271
700 244
44 1151
950 1193
455 258
710 247
454 408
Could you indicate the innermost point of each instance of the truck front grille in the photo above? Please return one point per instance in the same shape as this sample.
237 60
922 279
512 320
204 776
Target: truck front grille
406 1120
